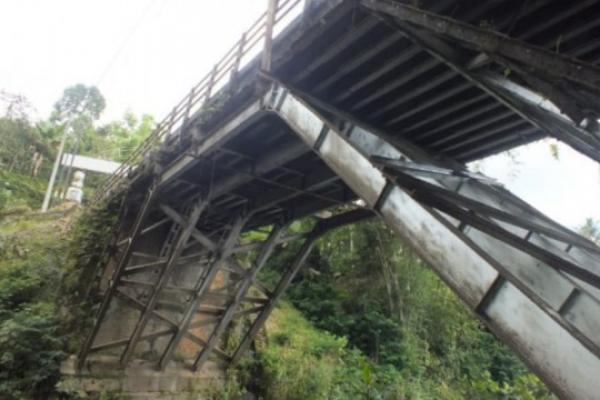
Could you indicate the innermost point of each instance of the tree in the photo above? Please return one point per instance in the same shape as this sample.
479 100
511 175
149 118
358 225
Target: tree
120 138
79 101
76 111
591 230
23 146
78 108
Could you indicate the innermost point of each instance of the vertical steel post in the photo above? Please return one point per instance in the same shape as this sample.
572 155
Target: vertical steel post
211 83
238 60
265 64
201 288
247 281
284 282
182 240
132 240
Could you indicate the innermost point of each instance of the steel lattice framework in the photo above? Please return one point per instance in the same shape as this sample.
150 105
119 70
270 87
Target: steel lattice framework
387 111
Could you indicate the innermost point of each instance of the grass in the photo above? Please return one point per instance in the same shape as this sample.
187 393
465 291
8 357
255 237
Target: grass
295 360
20 192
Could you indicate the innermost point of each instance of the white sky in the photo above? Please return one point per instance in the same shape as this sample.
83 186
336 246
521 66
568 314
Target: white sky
567 189
46 46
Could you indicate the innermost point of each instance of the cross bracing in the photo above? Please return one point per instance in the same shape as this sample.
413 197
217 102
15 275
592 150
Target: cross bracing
387 111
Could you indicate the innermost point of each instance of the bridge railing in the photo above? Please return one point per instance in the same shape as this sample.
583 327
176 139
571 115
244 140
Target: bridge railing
224 71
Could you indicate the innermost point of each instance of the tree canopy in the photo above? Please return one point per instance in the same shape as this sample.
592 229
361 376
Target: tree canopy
79 101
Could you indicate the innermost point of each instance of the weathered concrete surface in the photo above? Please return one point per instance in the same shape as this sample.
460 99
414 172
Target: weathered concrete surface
140 380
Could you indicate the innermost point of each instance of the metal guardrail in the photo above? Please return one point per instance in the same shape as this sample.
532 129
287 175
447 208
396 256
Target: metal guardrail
225 71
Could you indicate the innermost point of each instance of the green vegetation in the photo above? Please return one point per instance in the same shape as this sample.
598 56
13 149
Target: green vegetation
297 361
365 319
45 302
376 323
32 253
19 192
46 294
29 148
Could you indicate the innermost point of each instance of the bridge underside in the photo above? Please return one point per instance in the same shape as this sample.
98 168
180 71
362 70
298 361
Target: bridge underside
377 120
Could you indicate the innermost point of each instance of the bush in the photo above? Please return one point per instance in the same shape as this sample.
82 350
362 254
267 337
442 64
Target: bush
30 352
363 284
298 361
30 348
20 191
32 258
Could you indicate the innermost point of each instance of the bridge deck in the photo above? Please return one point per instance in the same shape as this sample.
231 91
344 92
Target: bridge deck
349 58
358 63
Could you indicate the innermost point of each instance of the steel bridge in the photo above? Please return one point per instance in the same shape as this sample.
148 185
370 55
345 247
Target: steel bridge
367 108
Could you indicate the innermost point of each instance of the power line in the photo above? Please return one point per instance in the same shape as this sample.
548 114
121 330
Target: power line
123 44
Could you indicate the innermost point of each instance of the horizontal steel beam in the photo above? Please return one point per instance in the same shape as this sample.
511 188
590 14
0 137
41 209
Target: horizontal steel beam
507 284
492 42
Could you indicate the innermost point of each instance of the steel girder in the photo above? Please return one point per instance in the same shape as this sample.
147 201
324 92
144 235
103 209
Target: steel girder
247 280
532 281
562 94
122 264
201 288
216 257
323 227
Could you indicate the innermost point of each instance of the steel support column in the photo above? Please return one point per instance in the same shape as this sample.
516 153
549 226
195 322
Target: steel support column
241 291
175 252
202 288
123 261
320 229
526 291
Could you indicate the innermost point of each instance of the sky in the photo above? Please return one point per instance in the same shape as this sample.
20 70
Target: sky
145 55
46 46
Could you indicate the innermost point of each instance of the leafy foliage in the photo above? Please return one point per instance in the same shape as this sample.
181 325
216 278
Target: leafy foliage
361 283
89 251
79 102
591 230
297 361
30 148
19 191
31 256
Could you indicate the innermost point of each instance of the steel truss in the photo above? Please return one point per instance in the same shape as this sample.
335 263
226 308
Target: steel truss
533 282
131 287
571 85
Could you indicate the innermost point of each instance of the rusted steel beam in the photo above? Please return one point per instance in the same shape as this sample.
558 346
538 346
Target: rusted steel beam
147 229
491 42
124 260
234 77
322 228
124 341
399 170
202 287
543 313
132 269
182 239
239 296
144 284
521 100
195 233
138 305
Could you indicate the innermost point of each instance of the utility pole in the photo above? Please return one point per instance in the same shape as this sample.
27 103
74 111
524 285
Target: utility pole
48 194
